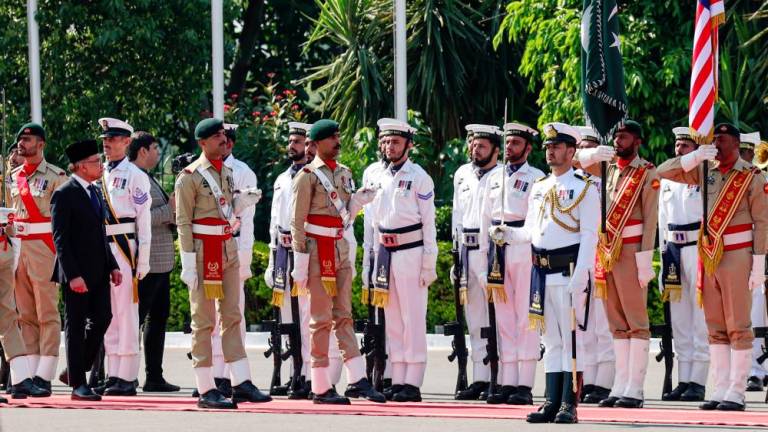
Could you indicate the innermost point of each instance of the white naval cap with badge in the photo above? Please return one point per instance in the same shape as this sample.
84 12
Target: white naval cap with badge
588 134
560 132
519 129
298 128
112 127
682 133
389 127
749 140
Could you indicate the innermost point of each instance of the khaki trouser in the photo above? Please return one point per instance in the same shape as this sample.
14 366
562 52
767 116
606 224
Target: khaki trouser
203 312
626 302
326 311
728 301
10 336
37 299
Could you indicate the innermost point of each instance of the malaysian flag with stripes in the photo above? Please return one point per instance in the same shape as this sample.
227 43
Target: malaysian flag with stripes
701 113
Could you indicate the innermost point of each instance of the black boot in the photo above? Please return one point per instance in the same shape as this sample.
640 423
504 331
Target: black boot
409 393
553 395
596 395
41 383
567 413
224 385
675 394
709 405
628 402
247 392
364 389
121 388
502 396
522 396
608 402
330 397
102 388
473 391
301 390
730 406
588 389
27 388
215 400
754 384
390 391
695 393
159 386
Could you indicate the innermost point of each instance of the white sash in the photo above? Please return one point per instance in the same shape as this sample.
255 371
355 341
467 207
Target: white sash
224 209
332 195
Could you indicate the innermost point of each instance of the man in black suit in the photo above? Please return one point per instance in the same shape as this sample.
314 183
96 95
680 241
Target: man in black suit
84 263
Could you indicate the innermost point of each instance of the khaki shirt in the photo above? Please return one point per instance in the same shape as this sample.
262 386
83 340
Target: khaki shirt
43 181
646 207
753 207
195 200
310 197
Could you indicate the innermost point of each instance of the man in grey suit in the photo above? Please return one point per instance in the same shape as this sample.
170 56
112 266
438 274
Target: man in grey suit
154 289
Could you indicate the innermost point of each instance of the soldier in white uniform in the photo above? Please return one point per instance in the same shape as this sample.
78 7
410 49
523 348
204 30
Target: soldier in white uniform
126 191
403 217
561 224
679 223
519 348
469 199
599 362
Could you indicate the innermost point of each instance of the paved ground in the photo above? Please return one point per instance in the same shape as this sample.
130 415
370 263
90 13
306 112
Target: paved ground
438 386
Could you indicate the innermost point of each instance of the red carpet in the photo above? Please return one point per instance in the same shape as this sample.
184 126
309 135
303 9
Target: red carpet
425 409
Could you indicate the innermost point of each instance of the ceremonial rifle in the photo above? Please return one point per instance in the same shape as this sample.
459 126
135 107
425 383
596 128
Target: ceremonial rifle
762 332
293 330
666 352
456 328
276 330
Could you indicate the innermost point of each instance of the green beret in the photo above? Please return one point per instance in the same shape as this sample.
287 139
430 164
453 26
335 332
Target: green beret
31 129
632 127
728 129
323 129
208 128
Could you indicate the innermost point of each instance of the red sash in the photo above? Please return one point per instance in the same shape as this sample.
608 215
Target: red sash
213 257
326 250
609 246
33 212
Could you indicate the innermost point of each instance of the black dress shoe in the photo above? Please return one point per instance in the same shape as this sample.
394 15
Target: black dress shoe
567 414
596 395
41 383
302 391
730 406
695 393
27 388
108 383
587 389
628 402
160 386
247 392
215 400
709 405
409 393
754 384
364 389
545 414
195 393
473 391
84 393
675 394
3 400
390 391
608 402
121 388
224 385
502 396
330 397
64 376
522 396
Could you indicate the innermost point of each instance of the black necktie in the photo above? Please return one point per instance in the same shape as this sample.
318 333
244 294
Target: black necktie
95 203
113 164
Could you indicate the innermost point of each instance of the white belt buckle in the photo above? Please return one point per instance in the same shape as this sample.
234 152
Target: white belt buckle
286 240
470 239
680 236
389 240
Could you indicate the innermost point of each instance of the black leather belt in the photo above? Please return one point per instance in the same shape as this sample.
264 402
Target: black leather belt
555 260
513 224
684 227
389 235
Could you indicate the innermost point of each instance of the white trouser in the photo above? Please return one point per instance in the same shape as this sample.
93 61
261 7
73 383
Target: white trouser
689 328
557 329
476 313
758 315
406 315
220 368
121 341
599 358
516 341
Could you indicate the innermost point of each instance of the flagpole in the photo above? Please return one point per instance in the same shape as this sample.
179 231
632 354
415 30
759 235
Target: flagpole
401 73
33 46
217 53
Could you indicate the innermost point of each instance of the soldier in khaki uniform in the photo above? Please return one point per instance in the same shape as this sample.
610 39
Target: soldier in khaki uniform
626 253
37 298
733 256
205 210
323 206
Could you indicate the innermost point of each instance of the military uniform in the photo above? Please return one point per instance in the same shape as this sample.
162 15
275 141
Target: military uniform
733 260
37 298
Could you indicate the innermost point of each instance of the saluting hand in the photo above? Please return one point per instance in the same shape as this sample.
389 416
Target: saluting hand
116 277
78 285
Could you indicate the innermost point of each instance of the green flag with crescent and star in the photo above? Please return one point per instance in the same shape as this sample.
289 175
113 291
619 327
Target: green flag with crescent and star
602 71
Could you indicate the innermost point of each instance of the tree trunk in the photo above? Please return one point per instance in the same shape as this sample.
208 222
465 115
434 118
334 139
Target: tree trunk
252 18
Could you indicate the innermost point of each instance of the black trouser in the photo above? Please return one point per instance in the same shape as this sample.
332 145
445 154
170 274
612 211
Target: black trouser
87 317
154 306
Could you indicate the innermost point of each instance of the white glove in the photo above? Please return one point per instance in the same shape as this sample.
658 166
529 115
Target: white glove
142 270
359 199
579 280
757 276
268 276
245 198
500 234
245 257
597 154
365 276
142 261
189 269
16 244
453 275
645 273
349 236
300 273
705 152
428 273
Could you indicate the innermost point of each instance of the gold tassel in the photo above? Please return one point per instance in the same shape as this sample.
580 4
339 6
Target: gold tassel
135 290
277 298
672 293
608 261
496 293
710 264
329 284
463 296
297 291
213 290
364 296
536 322
380 297
601 289
700 299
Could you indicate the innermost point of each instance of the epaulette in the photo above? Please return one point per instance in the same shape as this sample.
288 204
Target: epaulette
579 176
57 170
542 178
306 170
756 170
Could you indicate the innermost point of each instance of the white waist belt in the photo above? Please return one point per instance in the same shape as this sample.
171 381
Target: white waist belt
736 238
632 231
122 228
212 230
394 239
29 228
682 237
323 231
